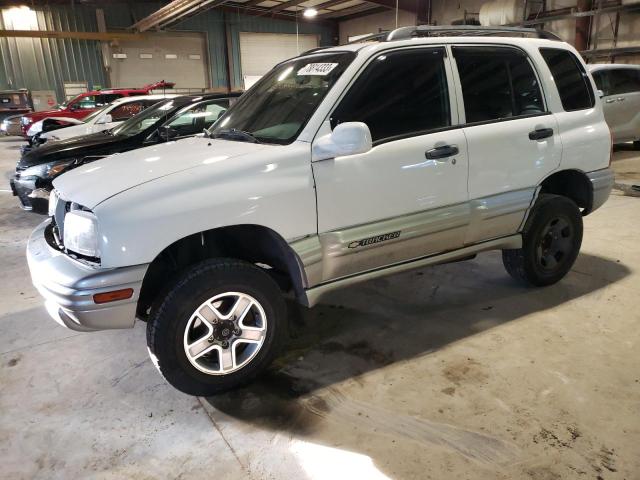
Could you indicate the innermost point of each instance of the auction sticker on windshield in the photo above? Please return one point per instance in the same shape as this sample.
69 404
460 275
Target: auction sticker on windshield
317 69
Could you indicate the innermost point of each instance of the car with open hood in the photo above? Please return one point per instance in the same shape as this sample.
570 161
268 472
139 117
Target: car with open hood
82 105
105 118
168 119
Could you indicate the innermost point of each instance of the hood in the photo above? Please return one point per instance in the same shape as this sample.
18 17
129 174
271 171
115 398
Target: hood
100 143
34 116
91 184
74 131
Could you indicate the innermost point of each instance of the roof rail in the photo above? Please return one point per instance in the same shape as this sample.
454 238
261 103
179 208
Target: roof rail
405 33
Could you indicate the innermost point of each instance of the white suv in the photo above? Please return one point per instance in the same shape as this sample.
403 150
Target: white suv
619 86
341 165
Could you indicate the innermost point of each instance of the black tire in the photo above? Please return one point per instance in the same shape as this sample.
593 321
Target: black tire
636 145
551 241
171 314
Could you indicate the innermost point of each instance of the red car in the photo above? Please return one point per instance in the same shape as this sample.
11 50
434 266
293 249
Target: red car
85 103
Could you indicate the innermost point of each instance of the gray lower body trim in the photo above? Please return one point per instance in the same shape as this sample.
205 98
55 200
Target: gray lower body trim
69 286
361 248
315 294
602 183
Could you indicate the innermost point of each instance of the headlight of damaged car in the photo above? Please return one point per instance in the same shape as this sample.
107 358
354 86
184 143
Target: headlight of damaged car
46 170
81 233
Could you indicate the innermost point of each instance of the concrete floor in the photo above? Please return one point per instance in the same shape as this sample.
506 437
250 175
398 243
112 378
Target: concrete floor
451 372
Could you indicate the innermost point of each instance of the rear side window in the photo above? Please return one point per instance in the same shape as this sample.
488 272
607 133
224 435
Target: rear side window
497 83
399 94
570 78
624 80
602 81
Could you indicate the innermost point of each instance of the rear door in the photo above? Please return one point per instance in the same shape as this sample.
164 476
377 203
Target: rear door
622 103
512 139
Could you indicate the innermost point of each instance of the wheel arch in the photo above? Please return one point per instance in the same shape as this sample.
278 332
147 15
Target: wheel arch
573 184
253 243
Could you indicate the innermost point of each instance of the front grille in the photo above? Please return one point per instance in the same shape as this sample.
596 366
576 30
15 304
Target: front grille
61 209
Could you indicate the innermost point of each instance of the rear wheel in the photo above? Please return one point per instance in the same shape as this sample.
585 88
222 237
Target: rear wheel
216 328
551 242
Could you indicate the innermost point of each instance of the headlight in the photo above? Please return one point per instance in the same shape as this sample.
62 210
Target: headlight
81 233
46 170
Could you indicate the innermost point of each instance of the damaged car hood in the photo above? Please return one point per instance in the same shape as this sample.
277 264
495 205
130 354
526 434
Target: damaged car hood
91 184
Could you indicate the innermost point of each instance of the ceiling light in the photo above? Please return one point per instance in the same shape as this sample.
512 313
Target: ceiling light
310 12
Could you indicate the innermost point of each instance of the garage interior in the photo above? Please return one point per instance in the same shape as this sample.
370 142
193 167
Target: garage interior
451 371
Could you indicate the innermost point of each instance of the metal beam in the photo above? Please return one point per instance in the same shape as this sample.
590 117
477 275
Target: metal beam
164 14
611 52
285 5
203 6
102 36
365 7
408 5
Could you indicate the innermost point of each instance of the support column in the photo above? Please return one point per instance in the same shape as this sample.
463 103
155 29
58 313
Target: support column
582 26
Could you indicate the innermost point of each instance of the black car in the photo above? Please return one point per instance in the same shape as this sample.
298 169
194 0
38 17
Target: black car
171 119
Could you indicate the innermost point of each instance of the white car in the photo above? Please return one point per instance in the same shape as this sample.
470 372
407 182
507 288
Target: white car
102 119
619 86
341 165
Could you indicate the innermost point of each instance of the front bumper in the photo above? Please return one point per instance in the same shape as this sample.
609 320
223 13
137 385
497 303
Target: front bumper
31 198
68 287
601 183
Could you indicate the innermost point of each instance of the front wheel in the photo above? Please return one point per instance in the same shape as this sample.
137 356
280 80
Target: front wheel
217 328
551 242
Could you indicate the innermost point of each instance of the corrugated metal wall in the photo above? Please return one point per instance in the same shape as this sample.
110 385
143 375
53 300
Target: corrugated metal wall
45 64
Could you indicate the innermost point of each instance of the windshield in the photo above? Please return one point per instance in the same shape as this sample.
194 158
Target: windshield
276 109
144 119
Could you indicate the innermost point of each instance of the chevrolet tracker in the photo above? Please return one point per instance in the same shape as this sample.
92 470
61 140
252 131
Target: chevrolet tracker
421 146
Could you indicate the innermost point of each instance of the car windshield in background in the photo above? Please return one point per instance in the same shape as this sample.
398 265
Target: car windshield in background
95 114
277 108
143 120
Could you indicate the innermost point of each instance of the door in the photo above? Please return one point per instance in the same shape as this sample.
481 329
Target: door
512 140
621 102
406 197
260 52
179 57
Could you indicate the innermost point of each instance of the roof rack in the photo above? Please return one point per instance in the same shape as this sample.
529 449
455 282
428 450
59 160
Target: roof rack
405 33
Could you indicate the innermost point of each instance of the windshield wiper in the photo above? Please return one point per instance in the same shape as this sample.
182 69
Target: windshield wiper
234 133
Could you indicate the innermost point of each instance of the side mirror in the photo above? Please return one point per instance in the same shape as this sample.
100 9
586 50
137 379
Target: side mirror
105 119
349 138
166 133
600 93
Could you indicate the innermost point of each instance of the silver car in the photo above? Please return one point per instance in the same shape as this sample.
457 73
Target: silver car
620 86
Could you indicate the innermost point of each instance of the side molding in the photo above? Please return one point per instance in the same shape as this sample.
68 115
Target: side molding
315 294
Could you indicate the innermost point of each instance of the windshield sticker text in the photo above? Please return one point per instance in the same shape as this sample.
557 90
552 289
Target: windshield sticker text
317 69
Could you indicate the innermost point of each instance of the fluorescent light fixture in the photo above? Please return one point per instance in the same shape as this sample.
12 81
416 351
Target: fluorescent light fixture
310 12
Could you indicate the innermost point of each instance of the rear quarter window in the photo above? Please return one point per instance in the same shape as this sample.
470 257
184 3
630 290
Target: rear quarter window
570 78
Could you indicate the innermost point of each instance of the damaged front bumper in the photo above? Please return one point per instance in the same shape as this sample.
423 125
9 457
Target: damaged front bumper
70 286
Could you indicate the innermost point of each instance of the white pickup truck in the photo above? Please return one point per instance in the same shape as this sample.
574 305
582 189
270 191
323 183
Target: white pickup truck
422 146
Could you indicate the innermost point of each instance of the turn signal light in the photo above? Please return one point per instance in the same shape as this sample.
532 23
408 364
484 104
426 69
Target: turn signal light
107 297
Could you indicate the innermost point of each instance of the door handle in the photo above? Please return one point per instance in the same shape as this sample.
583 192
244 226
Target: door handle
541 133
610 100
620 99
441 152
